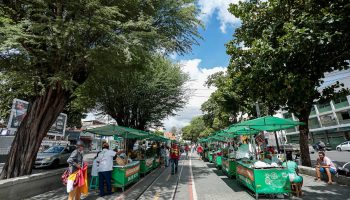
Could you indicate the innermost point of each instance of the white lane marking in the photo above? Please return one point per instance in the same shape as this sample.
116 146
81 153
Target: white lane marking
178 180
192 181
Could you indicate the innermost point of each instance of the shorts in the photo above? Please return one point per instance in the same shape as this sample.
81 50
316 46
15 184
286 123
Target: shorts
332 170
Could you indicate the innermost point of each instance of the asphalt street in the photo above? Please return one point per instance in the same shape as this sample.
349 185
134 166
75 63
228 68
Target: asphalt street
340 157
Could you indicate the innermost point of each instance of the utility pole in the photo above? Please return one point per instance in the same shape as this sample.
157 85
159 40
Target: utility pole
257 109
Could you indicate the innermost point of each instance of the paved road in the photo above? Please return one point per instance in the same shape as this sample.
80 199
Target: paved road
198 180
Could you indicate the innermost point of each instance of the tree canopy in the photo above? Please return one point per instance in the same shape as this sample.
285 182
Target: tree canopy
282 50
50 48
139 98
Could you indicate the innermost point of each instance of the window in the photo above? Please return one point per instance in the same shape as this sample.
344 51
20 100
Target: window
345 115
323 105
340 99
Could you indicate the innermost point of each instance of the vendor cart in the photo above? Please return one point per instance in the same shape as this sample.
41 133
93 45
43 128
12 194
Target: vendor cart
263 181
156 162
211 156
125 175
146 165
218 161
229 167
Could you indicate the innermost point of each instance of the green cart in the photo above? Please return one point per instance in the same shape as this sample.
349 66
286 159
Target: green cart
263 181
218 161
210 157
125 175
156 162
229 167
146 165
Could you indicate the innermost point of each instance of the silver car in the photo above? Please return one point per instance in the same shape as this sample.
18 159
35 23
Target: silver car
53 156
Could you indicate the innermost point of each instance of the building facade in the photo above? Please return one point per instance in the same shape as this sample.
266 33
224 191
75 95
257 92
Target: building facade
328 122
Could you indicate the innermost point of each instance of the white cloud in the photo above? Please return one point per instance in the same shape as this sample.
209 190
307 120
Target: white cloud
210 7
199 95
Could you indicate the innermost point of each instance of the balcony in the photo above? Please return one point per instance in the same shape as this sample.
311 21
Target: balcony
344 121
324 108
314 126
291 130
329 123
341 105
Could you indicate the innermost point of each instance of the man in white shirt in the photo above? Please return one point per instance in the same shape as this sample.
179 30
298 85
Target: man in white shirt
105 167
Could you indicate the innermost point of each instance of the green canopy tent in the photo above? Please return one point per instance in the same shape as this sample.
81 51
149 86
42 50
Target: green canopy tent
119 131
268 123
157 138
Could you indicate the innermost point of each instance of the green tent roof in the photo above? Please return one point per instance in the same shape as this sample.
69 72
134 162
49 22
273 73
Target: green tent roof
240 130
269 123
121 131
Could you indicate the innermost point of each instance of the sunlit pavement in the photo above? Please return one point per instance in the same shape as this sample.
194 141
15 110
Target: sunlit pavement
201 180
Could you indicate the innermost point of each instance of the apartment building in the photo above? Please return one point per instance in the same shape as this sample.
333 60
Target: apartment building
328 122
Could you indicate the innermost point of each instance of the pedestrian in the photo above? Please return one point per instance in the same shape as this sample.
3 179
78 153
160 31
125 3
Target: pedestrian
187 148
174 157
293 170
167 154
324 165
75 162
163 155
200 151
94 169
105 167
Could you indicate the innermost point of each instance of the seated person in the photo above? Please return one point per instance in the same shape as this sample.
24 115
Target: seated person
292 167
324 165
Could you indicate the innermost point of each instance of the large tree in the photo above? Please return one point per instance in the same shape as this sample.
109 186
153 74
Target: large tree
139 98
283 49
54 46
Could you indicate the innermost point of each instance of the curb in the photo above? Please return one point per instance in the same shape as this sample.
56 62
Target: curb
342 180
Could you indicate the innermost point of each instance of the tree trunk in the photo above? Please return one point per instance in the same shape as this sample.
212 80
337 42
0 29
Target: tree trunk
304 139
34 127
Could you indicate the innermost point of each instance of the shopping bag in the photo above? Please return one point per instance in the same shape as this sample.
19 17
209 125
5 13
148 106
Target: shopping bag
65 176
71 180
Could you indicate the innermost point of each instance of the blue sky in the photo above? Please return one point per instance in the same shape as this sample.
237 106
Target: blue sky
207 58
212 50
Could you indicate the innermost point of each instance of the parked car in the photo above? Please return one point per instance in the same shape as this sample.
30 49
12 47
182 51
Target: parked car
53 156
345 146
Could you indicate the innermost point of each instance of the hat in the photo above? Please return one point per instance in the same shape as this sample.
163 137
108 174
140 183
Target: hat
80 143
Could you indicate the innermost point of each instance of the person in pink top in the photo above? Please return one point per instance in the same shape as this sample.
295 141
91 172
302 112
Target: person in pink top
324 165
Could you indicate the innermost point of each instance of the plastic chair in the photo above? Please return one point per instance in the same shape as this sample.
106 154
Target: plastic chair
93 183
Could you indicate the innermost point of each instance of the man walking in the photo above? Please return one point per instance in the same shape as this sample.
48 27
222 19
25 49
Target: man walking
174 157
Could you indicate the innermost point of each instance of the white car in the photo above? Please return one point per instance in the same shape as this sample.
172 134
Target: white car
345 146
